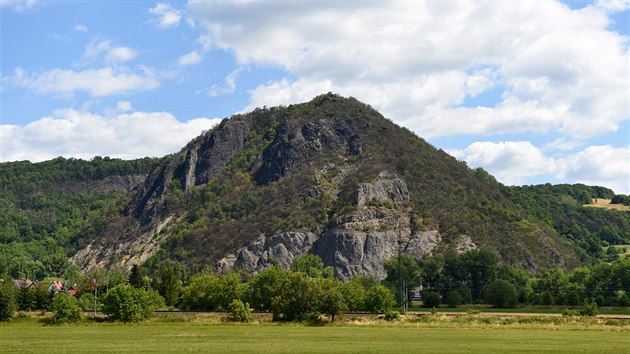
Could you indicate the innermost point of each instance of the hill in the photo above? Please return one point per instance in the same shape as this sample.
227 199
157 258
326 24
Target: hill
43 205
332 177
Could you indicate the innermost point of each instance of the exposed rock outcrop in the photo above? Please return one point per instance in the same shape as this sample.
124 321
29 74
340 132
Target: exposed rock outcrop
387 187
293 148
197 163
261 253
358 242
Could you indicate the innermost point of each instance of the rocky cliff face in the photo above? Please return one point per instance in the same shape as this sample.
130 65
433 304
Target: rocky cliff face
356 243
194 165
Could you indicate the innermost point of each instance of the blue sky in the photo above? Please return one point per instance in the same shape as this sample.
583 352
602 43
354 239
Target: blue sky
534 92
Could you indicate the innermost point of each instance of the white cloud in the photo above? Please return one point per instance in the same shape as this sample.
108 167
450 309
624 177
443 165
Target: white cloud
71 133
599 165
561 70
613 5
81 28
107 51
190 59
19 5
228 87
168 16
96 82
124 106
120 54
512 162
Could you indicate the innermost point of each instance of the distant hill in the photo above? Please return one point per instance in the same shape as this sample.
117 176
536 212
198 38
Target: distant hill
43 205
562 208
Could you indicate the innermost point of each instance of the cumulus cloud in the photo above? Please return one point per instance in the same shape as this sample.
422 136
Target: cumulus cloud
72 133
106 81
190 59
512 162
560 70
168 16
106 50
120 54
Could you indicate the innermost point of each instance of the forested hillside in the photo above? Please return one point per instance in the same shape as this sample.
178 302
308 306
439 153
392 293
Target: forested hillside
42 205
561 208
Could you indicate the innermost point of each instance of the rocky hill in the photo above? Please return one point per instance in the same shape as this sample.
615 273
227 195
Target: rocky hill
331 177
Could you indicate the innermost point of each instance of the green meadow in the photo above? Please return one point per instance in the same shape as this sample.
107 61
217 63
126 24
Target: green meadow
464 335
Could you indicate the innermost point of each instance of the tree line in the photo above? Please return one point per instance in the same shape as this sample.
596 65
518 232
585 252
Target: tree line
309 289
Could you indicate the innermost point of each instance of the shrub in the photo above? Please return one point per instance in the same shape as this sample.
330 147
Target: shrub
379 299
86 302
239 311
432 299
7 301
570 313
65 308
501 294
454 298
126 303
589 308
391 315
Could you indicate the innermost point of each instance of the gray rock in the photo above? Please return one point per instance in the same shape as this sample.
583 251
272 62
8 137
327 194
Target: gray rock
259 254
194 165
356 252
465 244
387 187
294 146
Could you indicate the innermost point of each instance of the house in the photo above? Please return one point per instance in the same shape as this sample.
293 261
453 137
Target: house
24 283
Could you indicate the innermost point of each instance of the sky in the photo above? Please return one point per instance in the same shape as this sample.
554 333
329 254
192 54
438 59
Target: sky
532 91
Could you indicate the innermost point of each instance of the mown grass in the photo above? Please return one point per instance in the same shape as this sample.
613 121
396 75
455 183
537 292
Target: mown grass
528 310
605 203
361 335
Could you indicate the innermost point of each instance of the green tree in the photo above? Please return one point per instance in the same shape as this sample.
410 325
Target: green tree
432 299
298 300
170 286
454 298
355 294
137 277
7 300
126 303
501 294
312 265
266 286
333 303
480 265
66 308
405 269
239 311
379 299
211 292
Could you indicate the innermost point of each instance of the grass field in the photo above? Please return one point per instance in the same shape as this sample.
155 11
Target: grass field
528 310
605 203
211 336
